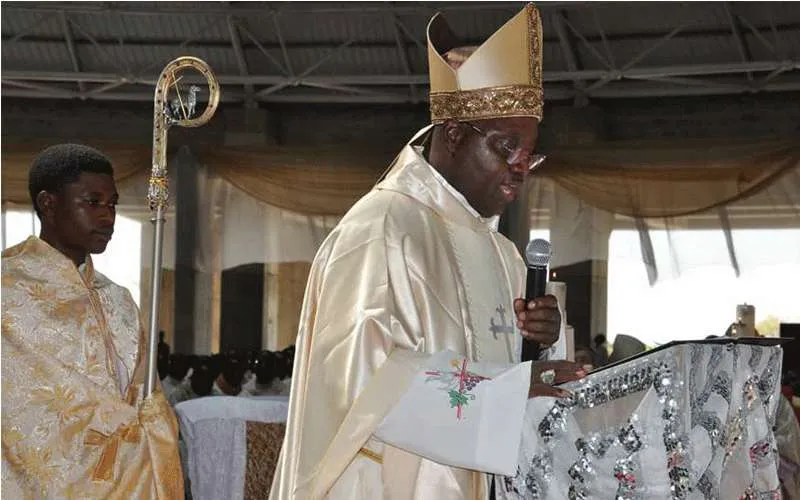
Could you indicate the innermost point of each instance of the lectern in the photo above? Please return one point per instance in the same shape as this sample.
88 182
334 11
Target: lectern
688 420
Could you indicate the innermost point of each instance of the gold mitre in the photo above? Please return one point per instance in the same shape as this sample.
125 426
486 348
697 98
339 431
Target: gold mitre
501 78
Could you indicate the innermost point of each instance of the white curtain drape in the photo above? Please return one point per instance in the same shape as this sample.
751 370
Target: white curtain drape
255 232
580 231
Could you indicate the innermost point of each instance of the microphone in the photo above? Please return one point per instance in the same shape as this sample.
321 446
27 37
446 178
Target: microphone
537 253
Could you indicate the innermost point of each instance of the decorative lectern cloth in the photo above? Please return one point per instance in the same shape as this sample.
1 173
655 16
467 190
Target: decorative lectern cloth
690 420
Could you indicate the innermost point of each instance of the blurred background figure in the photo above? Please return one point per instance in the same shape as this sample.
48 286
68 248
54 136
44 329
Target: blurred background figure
626 346
162 360
268 373
231 377
600 350
177 371
585 357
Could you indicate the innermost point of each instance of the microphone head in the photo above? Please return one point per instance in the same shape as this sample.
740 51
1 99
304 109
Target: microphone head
538 253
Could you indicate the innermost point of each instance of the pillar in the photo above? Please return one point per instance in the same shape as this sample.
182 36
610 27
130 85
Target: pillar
579 233
186 329
515 225
515 221
244 298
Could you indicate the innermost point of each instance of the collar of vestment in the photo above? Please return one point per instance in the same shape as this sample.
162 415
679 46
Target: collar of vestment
47 264
412 175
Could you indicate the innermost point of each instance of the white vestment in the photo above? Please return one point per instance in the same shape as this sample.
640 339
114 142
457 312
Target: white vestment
410 271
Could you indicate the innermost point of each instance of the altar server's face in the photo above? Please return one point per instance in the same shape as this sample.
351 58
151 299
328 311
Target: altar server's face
81 215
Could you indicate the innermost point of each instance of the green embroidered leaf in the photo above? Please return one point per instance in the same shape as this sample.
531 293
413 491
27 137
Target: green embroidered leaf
457 398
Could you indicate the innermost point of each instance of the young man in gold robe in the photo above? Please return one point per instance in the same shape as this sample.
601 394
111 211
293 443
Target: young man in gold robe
74 422
417 267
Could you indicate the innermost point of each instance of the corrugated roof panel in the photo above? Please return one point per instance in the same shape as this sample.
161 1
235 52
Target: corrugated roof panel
262 28
622 18
347 61
553 58
418 60
315 29
13 21
36 56
297 28
786 47
676 51
415 24
101 25
258 63
153 58
32 24
790 44
765 13
136 27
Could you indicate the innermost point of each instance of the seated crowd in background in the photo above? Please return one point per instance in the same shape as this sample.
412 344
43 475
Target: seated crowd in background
250 374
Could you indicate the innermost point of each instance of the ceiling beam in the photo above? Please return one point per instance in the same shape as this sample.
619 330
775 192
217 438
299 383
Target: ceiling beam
103 50
73 54
403 54
236 42
757 33
589 45
221 43
676 80
603 38
104 96
781 48
570 55
287 63
548 76
42 89
736 32
613 91
686 91
246 32
639 57
316 8
191 39
351 90
25 31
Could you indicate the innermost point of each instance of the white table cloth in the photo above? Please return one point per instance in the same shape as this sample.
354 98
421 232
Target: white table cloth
214 434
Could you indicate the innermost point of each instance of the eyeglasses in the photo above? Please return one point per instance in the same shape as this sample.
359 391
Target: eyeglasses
513 156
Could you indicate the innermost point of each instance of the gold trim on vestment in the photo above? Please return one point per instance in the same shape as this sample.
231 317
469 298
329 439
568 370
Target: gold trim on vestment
371 455
104 469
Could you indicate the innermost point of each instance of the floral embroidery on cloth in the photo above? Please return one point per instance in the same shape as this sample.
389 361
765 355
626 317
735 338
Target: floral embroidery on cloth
458 383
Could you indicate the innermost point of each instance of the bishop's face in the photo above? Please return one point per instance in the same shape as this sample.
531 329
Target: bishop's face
493 160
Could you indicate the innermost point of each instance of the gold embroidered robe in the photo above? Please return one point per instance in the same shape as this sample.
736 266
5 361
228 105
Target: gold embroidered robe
72 343
411 270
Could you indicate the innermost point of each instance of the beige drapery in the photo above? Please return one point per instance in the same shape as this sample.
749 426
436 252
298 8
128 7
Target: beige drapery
657 179
650 179
322 182
128 161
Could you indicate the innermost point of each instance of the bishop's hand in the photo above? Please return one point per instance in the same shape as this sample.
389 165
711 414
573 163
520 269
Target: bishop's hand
544 374
539 320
